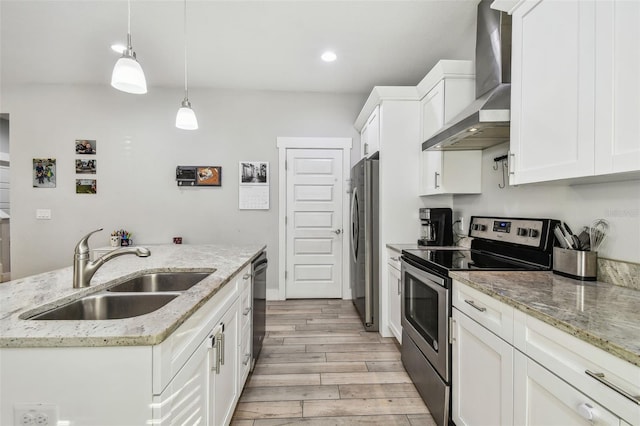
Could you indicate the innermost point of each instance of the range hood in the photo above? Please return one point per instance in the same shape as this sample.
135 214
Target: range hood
486 122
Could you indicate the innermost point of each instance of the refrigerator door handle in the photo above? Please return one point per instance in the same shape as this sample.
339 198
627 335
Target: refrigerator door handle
368 279
354 224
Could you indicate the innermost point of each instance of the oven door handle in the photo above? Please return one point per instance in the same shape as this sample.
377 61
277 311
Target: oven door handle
419 269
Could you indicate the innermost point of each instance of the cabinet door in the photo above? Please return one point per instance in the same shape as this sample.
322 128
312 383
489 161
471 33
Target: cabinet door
541 398
432 172
186 399
482 375
617 123
225 384
395 291
370 135
553 89
432 108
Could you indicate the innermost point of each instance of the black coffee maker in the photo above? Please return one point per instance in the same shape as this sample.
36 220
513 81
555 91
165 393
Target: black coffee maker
436 228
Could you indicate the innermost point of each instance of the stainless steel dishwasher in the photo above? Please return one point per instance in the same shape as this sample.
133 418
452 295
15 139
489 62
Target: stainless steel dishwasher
259 274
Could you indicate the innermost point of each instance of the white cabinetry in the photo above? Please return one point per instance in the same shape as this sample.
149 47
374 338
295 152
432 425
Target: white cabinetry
395 294
482 362
399 130
575 93
588 371
511 368
192 377
245 329
370 135
448 88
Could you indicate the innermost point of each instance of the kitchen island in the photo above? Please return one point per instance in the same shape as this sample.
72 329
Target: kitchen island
186 360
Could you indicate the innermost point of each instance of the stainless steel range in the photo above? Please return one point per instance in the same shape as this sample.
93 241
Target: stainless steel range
499 244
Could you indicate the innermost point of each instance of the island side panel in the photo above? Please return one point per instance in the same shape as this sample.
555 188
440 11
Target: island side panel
89 385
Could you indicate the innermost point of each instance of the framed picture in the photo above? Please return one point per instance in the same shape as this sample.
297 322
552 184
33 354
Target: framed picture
209 176
86 166
86 186
44 172
256 172
86 146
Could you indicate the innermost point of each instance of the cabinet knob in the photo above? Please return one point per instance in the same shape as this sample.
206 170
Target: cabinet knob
586 410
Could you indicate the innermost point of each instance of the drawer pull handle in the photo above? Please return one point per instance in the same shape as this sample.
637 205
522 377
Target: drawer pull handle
247 357
395 259
601 378
473 304
246 311
246 276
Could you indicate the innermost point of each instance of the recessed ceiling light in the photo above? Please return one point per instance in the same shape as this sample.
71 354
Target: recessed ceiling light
119 48
329 56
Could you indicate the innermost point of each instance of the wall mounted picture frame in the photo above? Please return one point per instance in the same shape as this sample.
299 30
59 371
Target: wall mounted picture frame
44 172
86 166
209 176
86 186
86 146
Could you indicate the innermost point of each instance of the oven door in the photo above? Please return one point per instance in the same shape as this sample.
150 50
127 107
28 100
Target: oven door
425 314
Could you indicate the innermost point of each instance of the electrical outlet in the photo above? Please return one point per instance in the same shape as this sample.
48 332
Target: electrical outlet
462 224
35 414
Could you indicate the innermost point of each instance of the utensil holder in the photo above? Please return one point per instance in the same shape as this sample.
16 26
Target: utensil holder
576 264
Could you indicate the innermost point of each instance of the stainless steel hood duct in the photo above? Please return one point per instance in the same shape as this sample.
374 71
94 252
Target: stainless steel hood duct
486 121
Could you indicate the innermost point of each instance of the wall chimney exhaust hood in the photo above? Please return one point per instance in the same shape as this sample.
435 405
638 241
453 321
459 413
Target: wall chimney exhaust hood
486 122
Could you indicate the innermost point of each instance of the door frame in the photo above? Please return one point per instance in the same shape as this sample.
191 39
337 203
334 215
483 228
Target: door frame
284 143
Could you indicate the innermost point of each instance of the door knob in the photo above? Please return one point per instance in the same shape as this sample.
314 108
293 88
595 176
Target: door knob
338 231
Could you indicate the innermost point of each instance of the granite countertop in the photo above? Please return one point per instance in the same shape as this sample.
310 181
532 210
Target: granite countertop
604 315
28 296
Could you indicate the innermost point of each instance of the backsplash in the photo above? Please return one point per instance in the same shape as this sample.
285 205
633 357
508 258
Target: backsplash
624 274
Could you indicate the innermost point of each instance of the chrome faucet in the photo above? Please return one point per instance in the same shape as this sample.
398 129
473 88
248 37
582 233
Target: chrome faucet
84 269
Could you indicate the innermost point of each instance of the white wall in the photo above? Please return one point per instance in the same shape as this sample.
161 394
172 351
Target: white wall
576 204
138 148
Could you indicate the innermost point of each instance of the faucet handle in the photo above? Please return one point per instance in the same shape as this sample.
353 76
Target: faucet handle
83 245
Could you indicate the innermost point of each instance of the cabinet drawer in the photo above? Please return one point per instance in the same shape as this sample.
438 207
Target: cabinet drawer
572 359
489 312
245 307
393 259
542 398
171 354
245 353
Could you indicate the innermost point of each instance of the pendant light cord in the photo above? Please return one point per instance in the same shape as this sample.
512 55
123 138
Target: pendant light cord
129 47
186 87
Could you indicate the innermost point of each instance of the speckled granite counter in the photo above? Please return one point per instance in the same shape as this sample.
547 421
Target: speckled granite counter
25 297
601 314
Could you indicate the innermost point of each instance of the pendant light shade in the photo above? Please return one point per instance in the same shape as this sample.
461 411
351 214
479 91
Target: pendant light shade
127 74
186 118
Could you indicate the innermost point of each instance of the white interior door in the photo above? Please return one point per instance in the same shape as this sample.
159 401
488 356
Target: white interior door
314 229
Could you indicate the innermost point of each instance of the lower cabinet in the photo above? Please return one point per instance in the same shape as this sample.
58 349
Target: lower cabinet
223 386
511 368
544 399
394 294
482 375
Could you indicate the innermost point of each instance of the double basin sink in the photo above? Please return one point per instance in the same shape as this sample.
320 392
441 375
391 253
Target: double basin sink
139 295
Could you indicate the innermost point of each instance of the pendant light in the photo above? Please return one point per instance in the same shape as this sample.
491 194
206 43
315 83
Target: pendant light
186 118
127 73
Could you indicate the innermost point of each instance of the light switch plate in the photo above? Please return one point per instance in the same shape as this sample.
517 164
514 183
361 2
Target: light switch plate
43 214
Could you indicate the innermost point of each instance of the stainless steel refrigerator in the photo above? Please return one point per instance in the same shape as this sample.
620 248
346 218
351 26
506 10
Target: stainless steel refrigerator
365 282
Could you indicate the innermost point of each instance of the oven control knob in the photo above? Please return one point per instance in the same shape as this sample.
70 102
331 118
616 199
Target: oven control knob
522 232
479 227
533 233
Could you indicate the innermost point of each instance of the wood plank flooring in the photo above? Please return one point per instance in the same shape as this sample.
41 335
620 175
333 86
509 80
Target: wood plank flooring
318 367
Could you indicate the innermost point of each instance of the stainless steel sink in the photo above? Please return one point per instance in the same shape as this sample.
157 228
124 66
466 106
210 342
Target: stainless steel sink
161 281
105 306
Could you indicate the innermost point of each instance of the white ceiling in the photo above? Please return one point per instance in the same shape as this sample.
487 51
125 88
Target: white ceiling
267 44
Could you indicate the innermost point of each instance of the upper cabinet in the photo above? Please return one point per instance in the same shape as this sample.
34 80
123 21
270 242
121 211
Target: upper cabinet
575 89
445 91
370 134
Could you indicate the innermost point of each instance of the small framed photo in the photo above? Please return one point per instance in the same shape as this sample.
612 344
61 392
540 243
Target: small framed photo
86 166
86 146
209 176
44 172
254 172
86 186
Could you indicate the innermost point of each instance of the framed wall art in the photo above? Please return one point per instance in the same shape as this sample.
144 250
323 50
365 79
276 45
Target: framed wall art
86 186
86 146
44 172
86 166
209 176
